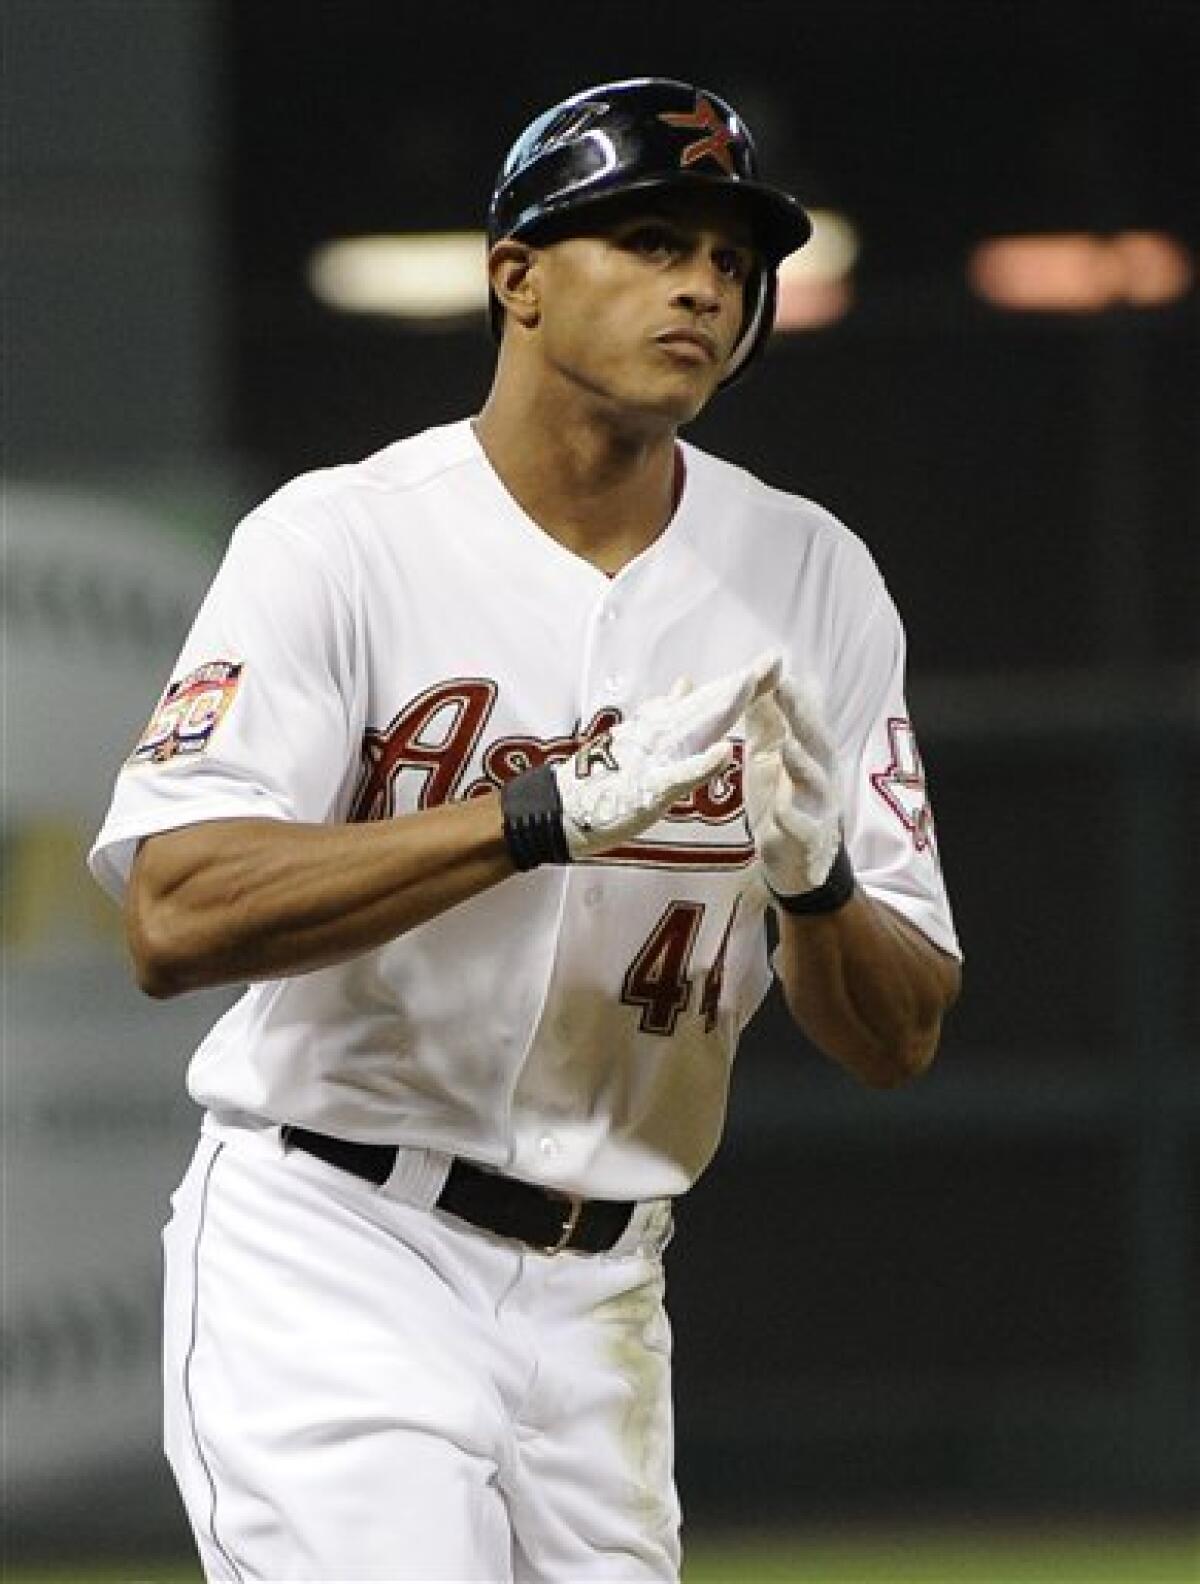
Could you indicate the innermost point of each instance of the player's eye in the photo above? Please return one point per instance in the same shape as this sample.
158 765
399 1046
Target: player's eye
652 240
733 263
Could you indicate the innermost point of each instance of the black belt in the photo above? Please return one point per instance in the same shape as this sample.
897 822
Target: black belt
540 1217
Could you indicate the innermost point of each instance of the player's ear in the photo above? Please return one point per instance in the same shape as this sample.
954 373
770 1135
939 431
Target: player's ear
514 280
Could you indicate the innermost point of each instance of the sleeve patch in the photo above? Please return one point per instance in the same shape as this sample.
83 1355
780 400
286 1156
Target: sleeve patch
188 713
901 785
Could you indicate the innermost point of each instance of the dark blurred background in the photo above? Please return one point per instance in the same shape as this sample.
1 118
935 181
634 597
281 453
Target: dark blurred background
980 1296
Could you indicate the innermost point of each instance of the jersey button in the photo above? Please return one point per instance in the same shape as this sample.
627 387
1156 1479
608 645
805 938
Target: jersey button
547 1146
593 896
613 683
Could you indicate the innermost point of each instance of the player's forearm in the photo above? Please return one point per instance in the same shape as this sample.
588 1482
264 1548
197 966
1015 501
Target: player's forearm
236 900
867 988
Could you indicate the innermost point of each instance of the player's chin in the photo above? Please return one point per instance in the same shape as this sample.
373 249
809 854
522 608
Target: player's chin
684 407
679 392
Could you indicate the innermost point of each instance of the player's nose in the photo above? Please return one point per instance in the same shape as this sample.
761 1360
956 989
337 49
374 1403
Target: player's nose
696 297
698 283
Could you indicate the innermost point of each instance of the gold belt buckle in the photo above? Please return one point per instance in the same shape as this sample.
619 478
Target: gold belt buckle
572 1210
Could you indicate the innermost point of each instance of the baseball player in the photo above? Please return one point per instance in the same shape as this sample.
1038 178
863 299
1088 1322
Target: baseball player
482 765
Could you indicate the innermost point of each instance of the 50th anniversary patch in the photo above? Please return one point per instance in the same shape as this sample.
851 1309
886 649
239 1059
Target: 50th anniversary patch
188 713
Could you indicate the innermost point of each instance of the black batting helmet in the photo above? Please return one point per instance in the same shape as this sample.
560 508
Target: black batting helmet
642 135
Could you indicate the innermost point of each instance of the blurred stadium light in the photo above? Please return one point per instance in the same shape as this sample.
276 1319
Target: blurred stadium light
815 283
433 275
1081 273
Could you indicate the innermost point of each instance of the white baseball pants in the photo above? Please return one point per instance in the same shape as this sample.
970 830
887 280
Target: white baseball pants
359 1387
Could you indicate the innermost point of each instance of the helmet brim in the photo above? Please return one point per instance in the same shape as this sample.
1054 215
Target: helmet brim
779 225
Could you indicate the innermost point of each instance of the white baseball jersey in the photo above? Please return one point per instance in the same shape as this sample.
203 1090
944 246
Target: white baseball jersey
387 636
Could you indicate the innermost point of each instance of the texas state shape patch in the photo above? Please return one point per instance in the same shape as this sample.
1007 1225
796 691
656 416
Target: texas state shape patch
188 713
902 785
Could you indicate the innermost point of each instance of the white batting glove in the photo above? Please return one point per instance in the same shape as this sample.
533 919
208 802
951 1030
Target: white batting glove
622 782
789 783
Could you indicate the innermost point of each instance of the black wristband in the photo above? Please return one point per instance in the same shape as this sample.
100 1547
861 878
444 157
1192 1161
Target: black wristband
835 892
531 808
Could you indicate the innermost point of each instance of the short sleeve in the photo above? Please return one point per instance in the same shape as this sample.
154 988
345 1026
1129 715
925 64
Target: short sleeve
888 817
257 718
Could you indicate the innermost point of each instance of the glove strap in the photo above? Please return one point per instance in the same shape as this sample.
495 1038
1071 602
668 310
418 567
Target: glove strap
834 893
532 811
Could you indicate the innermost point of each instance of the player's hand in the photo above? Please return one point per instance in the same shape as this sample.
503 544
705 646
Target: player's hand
790 789
620 783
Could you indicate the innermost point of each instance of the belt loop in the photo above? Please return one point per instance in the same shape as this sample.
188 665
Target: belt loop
572 1206
418 1177
650 1229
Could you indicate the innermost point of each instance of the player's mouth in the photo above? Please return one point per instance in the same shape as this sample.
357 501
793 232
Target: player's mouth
696 346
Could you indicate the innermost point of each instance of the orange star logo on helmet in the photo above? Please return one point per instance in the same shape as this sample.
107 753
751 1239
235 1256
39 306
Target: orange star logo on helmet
706 119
